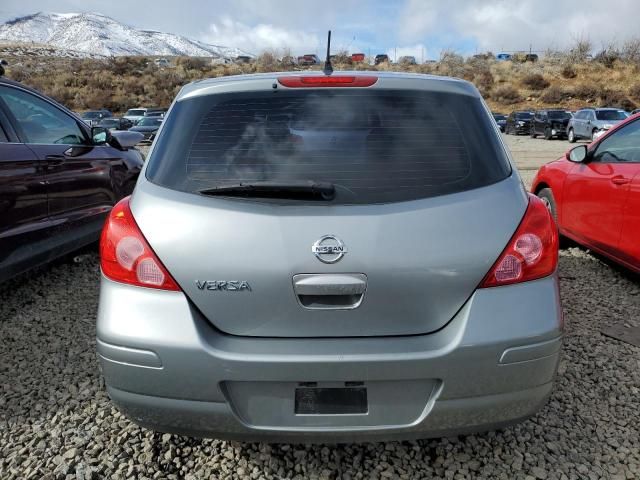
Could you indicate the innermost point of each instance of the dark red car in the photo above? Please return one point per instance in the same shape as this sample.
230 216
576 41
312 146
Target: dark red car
59 178
594 193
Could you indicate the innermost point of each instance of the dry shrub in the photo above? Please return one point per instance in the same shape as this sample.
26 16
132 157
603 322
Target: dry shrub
607 57
192 63
627 104
586 91
506 94
484 81
580 51
554 94
630 51
568 71
611 98
535 81
634 91
267 61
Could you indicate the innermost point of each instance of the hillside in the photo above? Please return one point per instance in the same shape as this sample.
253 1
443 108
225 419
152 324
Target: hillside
119 83
98 35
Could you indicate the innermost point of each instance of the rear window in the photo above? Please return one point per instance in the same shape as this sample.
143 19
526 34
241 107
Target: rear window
610 115
558 114
375 146
135 112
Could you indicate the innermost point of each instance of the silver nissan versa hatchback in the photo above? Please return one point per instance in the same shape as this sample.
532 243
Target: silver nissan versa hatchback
343 257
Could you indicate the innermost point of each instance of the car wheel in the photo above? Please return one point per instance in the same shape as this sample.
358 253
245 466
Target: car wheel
547 198
547 133
546 195
533 133
572 136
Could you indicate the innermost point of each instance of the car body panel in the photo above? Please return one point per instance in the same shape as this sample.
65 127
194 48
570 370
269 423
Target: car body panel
594 207
428 274
55 196
472 389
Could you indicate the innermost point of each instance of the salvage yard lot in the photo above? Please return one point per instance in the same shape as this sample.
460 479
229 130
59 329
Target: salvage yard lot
56 421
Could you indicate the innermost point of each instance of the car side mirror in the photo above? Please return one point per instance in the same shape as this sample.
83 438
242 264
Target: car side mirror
99 135
578 154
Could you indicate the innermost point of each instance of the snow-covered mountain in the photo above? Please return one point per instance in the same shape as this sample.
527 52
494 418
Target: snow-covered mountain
96 34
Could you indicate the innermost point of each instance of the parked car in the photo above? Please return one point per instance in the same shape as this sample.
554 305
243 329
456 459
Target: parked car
550 123
592 192
58 178
518 123
93 117
586 123
155 112
148 127
116 123
162 63
135 114
407 60
243 59
501 120
382 58
308 60
357 57
286 259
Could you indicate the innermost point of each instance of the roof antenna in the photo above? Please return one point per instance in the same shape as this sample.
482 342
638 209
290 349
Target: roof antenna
328 68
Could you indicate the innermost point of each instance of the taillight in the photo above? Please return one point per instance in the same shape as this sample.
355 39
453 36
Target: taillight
125 255
328 81
531 253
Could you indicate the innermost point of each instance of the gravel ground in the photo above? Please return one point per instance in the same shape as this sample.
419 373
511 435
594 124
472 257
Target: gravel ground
56 421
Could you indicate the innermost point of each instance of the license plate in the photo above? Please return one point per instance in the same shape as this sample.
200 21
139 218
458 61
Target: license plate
331 401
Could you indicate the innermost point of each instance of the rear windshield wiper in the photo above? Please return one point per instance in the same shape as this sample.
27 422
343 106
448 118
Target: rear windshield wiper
297 190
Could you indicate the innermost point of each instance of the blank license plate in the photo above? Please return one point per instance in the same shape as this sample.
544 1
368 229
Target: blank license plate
331 401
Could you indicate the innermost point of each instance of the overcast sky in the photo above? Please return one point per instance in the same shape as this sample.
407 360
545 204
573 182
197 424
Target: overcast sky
416 27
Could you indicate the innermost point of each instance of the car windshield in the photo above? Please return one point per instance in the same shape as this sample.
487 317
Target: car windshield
558 114
610 115
523 115
150 122
500 117
109 123
92 115
135 113
375 146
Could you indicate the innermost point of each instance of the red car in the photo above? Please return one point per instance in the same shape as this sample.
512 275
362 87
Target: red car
594 193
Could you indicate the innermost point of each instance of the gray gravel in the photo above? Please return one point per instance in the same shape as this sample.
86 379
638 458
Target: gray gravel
56 420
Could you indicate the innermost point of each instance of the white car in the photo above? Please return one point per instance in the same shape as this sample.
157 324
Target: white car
135 114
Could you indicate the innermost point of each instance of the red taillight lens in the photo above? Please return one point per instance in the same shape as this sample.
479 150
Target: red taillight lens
531 253
125 255
328 81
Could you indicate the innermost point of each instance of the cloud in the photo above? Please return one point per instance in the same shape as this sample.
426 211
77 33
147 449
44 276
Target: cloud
506 25
260 37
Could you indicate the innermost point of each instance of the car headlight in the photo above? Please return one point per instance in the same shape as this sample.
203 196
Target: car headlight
520 124
606 126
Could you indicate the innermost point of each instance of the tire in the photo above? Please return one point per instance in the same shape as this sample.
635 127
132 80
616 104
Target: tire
546 195
533 133
547 134
571 136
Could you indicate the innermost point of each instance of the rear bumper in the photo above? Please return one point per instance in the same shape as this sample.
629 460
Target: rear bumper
169 370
